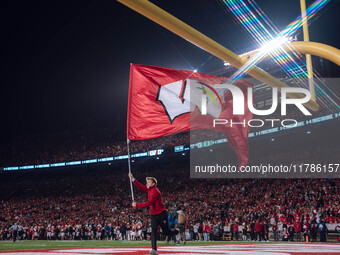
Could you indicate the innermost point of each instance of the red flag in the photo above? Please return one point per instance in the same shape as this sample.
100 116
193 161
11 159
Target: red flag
158 107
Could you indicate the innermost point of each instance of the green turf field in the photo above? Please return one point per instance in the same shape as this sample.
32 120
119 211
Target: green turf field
30 245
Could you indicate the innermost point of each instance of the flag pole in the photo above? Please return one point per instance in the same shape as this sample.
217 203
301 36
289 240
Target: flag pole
129 164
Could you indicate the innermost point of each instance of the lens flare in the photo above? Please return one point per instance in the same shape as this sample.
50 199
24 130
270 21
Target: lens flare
271 41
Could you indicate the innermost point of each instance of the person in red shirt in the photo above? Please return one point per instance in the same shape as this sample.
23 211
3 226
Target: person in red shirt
258 230
298 228
159 215
204 231
235 229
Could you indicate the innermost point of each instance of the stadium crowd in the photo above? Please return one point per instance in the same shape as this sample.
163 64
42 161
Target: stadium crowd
94 202
97 205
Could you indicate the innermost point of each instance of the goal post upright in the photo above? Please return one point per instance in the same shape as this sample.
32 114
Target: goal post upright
304 20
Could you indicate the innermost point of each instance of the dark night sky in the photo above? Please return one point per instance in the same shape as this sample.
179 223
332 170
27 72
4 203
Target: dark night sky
65 64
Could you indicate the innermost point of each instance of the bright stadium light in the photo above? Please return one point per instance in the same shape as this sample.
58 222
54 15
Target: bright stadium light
195 71
274 44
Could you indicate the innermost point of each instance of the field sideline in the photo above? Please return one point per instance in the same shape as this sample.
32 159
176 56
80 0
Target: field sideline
38 244
143 248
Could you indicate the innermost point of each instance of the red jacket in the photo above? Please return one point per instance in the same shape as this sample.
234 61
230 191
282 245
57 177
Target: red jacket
297 226
258 227
235 227
154 199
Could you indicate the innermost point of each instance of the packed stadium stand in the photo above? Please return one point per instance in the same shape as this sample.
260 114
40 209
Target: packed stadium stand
94 201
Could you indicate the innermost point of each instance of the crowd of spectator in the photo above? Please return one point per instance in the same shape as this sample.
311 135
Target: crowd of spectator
96 204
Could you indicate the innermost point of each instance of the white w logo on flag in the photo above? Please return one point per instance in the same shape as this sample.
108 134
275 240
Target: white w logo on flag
182 97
